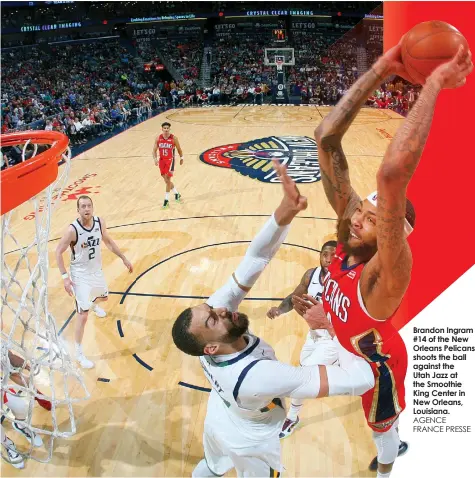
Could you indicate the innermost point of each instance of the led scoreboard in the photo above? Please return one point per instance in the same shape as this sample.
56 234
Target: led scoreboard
279 35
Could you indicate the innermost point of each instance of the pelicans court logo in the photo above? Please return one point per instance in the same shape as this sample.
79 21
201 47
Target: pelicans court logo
254 158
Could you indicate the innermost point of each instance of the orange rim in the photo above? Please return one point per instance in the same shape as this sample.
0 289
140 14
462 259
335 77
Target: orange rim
24 180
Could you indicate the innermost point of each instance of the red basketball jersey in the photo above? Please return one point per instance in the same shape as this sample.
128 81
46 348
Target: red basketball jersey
166 147
378 342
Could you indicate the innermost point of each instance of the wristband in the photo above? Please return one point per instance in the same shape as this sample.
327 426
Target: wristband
65 275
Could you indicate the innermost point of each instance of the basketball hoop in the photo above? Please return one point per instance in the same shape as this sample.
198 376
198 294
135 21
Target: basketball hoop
28 328
26 179
278 64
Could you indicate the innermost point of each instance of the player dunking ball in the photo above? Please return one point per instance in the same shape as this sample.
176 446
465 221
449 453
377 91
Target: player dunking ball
87 283
319 348
371 271
246 408
165 146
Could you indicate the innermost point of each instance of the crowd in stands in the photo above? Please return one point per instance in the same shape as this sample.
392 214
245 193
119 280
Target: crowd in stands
83 90
397 95
88 89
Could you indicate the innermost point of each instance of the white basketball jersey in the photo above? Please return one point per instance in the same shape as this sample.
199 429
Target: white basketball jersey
86 252
226 378
315 289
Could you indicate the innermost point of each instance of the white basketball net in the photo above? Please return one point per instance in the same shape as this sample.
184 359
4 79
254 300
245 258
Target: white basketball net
29 330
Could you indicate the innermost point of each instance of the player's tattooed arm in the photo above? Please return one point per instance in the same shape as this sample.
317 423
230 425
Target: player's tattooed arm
332 159
286 305
391 267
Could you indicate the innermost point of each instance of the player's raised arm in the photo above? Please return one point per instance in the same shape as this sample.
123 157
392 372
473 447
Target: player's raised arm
263 247
112 246
332 159
178 148
64 244
393 260
286 305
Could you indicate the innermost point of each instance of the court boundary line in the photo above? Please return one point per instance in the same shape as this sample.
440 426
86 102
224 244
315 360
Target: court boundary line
187 218
126 293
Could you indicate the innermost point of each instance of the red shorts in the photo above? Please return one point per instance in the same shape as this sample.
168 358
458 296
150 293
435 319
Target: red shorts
166 166
383 403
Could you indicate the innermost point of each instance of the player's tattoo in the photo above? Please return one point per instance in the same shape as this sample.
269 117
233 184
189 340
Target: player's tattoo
335 188
408 144
286 305
334 166
345 111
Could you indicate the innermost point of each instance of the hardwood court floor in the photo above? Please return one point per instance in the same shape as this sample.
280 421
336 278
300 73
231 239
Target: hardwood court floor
142 422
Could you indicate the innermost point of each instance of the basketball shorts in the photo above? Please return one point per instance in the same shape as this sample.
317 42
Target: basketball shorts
231 442
383 404
319 349
259 458
167 166
88 288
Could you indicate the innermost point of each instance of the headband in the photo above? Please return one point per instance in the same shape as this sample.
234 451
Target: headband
373 197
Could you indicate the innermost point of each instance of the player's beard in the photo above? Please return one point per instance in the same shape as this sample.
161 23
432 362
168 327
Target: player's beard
235 329
363 252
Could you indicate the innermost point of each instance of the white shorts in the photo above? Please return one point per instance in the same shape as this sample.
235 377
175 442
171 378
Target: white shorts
17 405
261 458
319 349
229 442
88 288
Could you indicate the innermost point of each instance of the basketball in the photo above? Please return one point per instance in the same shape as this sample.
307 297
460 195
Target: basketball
428 45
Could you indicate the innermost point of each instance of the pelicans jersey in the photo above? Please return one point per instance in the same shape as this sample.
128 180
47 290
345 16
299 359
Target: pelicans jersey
166 147
86 251
166 155
377 341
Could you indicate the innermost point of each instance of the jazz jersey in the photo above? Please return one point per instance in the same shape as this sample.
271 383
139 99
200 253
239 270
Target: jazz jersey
166 147
86 251
315 289
377 341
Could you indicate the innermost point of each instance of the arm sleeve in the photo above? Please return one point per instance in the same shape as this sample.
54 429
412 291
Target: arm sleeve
258 255
270 379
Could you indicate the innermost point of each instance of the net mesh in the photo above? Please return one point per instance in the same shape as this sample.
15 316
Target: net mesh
37 369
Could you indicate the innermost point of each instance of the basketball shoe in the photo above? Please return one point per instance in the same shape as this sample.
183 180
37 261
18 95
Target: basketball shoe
178 197
288 428
166 204
14 457
31 436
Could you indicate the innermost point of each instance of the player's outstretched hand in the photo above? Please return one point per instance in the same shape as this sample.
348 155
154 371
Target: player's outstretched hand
128 264
273 312
301 305
393 61
316 317
291 192
453 74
